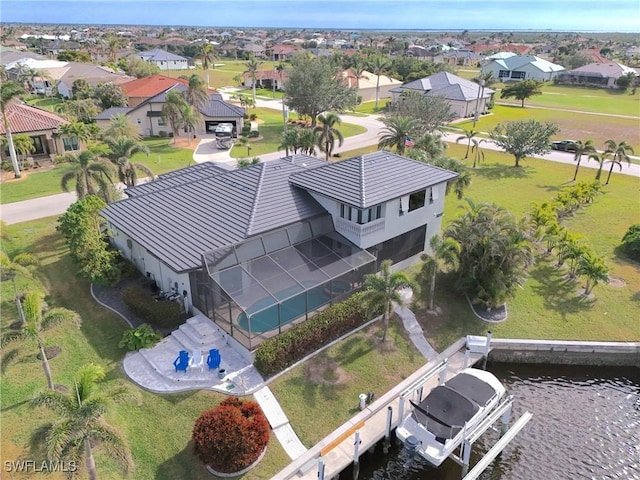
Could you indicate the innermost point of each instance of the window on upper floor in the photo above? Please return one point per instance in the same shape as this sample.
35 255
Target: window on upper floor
360 215
416 200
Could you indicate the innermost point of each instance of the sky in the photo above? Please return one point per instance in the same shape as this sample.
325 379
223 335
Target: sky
556 15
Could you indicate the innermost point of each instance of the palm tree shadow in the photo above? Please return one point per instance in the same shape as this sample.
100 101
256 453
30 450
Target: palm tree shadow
559 292
497 171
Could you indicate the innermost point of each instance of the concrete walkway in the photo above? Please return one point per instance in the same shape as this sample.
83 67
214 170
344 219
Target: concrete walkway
413 328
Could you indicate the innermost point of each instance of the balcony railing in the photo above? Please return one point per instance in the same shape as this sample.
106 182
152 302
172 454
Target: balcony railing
359 231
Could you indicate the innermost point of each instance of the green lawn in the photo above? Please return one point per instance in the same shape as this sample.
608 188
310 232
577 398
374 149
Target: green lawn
46 103
164 158
370 107
579 126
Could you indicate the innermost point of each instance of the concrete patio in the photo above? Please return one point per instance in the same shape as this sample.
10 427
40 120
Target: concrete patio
153 370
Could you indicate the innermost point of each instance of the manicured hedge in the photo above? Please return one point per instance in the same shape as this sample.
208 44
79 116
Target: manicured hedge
278 353
161 313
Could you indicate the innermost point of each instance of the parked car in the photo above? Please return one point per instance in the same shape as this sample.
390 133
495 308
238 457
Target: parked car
564 145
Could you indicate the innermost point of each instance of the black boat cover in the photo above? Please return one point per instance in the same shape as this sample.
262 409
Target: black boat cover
472 387
445 408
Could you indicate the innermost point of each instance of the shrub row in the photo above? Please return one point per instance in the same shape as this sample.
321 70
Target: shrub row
278 353
161 313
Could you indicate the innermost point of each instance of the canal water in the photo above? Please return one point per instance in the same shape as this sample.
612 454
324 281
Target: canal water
585 425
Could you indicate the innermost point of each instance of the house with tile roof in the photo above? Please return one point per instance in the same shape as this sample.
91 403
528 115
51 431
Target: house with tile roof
511 67
147 115
261 248
164 60
463 96
43 127
141 89
596 74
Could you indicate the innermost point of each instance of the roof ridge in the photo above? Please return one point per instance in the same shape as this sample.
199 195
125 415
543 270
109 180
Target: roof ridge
254 207
362 182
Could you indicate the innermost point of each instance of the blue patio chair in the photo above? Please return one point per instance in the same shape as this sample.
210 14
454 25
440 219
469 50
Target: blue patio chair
182 361
213 360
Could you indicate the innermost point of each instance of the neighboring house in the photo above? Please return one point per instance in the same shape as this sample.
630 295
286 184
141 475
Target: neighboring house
260 248
598 74
164 60
254 50
521 67
366 84
52 71
92 74
141 89
460 58
464 96
147 115
418 51
44 129
266 79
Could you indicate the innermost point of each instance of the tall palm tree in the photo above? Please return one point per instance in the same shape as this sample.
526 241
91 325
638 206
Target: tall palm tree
196 94
10 268
446 250
431 144
619 151
397 129
24 146
601 158
280 69
290 141
121 150
378 65
92 177
358 67
594 268
191 120
207 56
81 424
9 91
381 291
172 111
307 141
121 126
582 148
469 135
253 66
327 133
36 322
476 151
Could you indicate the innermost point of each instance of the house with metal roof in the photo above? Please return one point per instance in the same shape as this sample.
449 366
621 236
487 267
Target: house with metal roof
463 96
521 67
261 248
147 115
164 60
596 74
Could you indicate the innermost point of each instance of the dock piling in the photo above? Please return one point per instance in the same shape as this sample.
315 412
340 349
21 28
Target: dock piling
356 456
387 434
320 469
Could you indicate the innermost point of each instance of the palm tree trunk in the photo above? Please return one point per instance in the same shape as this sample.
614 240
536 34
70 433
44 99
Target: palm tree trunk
89 460
587 287
599 174
466 155
609 175
12 148
575 174
432 293
46 367
385 322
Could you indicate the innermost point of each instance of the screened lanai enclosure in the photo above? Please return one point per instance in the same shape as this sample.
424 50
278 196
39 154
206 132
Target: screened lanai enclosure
259 287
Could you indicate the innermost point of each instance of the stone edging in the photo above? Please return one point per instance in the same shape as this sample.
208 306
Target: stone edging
241 472
109 308
506 313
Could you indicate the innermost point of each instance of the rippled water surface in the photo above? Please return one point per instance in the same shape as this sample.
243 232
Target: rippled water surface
585 425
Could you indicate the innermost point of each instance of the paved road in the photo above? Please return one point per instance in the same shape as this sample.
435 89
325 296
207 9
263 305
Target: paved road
207 151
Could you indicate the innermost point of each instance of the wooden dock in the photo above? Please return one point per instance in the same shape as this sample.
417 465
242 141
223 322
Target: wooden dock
337 448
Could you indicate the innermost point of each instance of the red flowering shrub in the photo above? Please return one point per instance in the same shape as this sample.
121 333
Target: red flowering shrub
231 436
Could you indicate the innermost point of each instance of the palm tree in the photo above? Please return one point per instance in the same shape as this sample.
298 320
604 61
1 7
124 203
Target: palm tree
601 158
9 91
326 133
382 291
582 148
468 135
24 146
619 151
594 268
121 126
191 120
397 129
280 68
121 150
431 144
378 65
10 268
307 141
462 181
207 56
358 67
81 424
36 322
172 111
476 151
92 177
196 94
290 141
446 250
253 67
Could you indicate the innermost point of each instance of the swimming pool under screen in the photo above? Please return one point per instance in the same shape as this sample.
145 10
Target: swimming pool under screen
267 320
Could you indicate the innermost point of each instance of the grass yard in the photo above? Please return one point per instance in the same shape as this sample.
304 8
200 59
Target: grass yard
46 103
548 305
370 107
164 158
579 126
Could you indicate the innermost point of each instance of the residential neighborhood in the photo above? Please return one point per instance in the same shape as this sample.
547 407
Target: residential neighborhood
259 252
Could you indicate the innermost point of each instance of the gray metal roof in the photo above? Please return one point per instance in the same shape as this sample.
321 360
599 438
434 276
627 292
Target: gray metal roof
216 107
158 54
177 177
177 224
109 113
447 85
371 179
